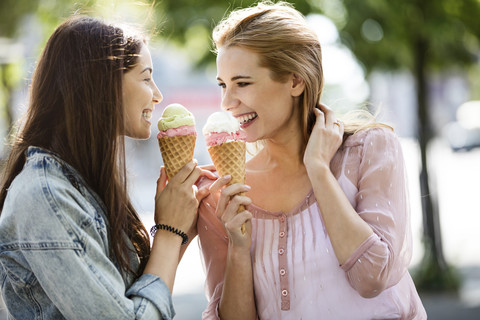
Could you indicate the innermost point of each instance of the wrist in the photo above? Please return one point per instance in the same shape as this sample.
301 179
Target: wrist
166 238
238 251
167 228
317 168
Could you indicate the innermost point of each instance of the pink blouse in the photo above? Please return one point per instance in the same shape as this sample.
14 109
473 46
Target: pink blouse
296 273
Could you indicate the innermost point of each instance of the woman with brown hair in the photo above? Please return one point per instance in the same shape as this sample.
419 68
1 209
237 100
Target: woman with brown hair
328 232
71 244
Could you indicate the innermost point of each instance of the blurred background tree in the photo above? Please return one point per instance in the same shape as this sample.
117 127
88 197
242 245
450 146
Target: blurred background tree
422 37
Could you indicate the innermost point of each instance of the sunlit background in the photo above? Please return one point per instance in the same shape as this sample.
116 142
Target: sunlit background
184 70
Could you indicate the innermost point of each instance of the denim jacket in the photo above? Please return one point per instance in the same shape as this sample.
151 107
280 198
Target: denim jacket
54 252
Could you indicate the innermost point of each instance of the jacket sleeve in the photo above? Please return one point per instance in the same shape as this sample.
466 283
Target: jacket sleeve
382 201
68 253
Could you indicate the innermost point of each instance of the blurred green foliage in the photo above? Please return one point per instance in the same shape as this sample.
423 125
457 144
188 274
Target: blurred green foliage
49 13
189 23
449 29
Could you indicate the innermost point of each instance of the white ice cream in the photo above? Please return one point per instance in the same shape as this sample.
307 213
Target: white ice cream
221 122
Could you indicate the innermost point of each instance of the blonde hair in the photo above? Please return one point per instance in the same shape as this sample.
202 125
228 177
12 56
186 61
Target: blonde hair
285 43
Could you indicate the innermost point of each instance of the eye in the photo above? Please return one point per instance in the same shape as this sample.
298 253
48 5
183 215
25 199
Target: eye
147 79
221 85
243 84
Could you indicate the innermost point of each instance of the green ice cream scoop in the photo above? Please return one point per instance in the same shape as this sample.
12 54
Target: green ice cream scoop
174 116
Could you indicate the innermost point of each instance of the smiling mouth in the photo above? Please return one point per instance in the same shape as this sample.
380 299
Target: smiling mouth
247 118
147 115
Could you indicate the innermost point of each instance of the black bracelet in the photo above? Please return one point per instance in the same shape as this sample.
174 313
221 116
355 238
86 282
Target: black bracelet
171 229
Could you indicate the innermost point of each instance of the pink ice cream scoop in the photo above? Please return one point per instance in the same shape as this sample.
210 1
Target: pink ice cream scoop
180 131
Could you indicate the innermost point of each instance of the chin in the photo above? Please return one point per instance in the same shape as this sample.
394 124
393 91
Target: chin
145 136
253 138
139 136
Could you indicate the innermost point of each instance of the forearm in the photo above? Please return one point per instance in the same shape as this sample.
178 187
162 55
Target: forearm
164 256
238 301
191 237
346 229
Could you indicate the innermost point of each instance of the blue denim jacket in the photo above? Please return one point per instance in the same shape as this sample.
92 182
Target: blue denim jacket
54 252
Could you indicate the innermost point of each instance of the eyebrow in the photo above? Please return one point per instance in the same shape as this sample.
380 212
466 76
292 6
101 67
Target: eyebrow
236 78
147 69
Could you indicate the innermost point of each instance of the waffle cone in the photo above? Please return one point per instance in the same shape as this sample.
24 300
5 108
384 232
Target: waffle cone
229 158
176 152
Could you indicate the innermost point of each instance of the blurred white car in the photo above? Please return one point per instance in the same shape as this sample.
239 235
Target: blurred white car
464 134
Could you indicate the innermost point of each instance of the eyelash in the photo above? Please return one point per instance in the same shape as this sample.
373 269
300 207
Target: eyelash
240 84
147 80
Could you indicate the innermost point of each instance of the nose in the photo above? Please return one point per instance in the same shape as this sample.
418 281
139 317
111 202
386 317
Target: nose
229 100
157 95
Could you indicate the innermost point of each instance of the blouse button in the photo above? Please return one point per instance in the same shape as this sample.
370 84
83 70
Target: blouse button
284 293
281 251
282 272
282 234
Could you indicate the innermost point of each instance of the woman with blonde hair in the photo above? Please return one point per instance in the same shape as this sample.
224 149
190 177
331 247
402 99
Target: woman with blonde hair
328 232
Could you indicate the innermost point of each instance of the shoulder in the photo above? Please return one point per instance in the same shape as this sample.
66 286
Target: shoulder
373 137
40 172
44 174
44 197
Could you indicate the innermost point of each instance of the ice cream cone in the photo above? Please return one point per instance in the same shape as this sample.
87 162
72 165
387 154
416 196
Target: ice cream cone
176 152
229 158
176 138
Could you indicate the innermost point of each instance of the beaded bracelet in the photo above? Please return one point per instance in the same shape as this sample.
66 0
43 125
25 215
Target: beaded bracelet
182 234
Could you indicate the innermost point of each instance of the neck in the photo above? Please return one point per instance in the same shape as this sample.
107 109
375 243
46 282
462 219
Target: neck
284 154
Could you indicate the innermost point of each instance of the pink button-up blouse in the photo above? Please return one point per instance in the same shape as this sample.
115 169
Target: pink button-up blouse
296 273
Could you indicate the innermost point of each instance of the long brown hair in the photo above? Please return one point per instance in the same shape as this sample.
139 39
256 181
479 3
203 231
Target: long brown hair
76 112
285 43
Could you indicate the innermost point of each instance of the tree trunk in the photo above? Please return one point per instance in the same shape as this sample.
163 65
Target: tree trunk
434 273
430 215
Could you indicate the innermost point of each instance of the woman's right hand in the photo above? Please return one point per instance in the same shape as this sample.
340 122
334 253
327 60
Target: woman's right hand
227 207
176 203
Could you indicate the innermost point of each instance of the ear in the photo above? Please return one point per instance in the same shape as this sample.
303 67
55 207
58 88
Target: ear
298 85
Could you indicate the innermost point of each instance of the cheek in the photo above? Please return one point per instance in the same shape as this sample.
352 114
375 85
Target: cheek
144 95
128 95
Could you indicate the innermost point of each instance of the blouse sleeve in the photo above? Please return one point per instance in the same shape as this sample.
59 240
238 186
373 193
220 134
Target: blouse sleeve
381 201
214 246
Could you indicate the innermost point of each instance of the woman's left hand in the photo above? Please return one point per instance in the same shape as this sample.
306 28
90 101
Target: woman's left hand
325 139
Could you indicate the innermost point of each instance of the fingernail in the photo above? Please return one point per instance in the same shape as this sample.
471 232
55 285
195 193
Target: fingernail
227 176
248 187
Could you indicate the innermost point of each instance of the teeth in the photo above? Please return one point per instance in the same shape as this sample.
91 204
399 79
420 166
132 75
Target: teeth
247 117
147 115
